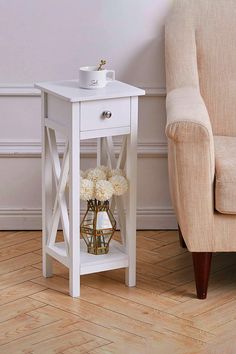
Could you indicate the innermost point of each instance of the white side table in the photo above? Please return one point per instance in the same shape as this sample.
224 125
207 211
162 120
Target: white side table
80 114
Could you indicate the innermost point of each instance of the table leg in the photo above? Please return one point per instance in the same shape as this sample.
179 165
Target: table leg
74 202
46 192
131 170
101 152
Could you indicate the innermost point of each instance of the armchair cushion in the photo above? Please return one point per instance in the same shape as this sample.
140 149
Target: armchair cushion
225 174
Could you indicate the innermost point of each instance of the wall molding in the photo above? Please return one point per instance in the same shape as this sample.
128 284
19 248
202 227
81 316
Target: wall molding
28 90
22 90
32 149
31 219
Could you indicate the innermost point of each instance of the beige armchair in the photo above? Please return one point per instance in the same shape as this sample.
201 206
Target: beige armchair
201 127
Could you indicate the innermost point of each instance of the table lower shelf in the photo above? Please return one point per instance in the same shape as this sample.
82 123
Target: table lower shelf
89 263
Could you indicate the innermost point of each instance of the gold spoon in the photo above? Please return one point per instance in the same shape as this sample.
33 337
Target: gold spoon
102 62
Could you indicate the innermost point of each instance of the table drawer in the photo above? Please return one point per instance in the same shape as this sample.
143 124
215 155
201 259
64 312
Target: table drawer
93 114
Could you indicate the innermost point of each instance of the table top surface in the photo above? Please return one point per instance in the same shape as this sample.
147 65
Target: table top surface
69 90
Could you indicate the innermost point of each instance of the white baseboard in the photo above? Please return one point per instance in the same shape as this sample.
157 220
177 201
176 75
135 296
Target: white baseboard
156 219
20 219
30 219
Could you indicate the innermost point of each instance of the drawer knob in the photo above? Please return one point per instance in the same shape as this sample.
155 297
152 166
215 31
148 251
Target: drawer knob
107 114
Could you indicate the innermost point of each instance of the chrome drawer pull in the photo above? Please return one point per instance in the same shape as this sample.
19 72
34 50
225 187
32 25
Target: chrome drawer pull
107 114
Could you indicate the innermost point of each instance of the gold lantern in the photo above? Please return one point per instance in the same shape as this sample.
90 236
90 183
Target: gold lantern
98 226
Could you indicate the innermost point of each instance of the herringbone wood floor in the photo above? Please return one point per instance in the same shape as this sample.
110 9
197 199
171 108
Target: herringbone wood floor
160 315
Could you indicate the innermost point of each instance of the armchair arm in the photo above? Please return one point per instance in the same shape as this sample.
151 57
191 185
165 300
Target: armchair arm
188 120
191 166
187 116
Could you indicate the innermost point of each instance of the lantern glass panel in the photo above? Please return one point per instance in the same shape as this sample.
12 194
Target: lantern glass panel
98 227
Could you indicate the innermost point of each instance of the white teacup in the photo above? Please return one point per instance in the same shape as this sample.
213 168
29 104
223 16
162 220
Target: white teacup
91 78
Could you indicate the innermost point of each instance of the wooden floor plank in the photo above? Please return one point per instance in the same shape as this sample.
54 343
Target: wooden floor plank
170 250
21 325
13 238
156 270
177 262
18 276
166 237
217 317
19 262
19 291
58 269
25 343
75 341
146 242
215 299
147 281
18 307
20 249
140 296
115 306
160 315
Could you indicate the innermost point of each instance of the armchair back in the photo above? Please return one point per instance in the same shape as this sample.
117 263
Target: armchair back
201 53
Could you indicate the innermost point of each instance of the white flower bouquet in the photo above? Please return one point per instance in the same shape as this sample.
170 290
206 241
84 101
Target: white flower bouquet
101 183
97 186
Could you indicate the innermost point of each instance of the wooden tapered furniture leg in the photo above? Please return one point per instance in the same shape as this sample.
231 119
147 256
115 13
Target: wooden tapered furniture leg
181 239
202 266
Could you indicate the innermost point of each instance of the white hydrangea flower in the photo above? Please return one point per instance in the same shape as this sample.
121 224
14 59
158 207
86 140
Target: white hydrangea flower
116 172
86 172
86 189
120 184
96 174
103 190
105 169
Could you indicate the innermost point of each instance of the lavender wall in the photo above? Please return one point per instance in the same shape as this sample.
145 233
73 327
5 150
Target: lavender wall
50 40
